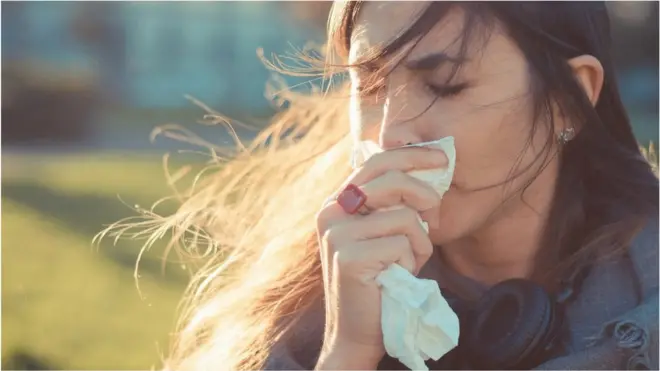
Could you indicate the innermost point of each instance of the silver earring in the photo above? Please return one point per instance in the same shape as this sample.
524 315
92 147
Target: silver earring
566 136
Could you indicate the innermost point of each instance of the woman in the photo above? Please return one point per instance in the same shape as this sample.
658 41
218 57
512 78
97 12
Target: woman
549 186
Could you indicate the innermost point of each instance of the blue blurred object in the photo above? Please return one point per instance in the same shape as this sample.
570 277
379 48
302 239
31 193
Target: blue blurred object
151 54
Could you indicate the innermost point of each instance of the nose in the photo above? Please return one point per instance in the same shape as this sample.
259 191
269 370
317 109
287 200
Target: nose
395 137
398 127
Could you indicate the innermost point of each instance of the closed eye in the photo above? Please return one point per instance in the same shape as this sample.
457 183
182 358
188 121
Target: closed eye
446 90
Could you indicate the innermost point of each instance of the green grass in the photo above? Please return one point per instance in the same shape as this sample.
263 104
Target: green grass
65 304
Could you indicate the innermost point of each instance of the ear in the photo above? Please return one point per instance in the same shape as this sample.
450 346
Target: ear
589 73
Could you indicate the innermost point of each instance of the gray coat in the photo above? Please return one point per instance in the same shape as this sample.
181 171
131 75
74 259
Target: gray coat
613 320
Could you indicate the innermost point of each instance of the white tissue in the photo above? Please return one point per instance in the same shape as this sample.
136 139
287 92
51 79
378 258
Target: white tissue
416 320
439 179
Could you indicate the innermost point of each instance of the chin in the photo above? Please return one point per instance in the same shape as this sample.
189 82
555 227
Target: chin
456 222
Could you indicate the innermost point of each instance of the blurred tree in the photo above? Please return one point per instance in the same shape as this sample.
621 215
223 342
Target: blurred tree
634 33
20 360
98 26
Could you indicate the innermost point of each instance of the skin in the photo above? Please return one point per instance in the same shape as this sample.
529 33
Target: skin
487 234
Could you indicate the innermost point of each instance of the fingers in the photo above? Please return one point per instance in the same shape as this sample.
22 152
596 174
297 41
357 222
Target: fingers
393 165
402 222
397 188
403 160
383 180
365 258
392 189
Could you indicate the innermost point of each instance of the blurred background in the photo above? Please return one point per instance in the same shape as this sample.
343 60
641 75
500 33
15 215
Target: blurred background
83 86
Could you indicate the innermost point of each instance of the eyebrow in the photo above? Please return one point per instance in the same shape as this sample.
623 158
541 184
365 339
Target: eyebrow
431 61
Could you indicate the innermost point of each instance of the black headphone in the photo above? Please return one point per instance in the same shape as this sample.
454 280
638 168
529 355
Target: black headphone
516 324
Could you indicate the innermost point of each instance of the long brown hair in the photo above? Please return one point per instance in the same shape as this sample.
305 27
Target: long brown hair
258 210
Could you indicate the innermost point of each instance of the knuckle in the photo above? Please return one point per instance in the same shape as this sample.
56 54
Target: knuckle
375 158
344 258
327 216
379 163
330 238
371 163
323 215
433 201
426 250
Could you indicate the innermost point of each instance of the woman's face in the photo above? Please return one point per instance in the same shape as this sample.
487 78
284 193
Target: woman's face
486 107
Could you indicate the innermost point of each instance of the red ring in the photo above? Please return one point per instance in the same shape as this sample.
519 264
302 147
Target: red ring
351 199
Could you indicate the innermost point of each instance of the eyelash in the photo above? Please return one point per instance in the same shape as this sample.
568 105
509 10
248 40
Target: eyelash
442 91
446 91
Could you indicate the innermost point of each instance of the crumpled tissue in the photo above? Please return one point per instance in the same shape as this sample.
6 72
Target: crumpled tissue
438 179
417 322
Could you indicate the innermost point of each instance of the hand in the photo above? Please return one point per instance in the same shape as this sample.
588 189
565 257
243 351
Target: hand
356 248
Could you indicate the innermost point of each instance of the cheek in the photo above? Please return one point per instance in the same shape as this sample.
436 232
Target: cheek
490 144
482 180
493 126
355 117
364 119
